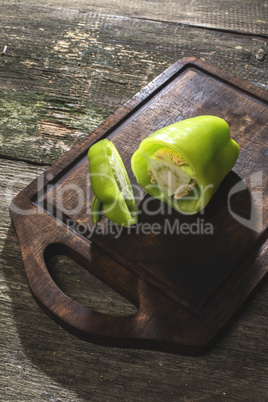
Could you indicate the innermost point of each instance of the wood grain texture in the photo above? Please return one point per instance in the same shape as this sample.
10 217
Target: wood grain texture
39 360
244 16
63 73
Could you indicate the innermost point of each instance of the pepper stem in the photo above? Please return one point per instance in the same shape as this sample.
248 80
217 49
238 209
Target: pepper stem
96 210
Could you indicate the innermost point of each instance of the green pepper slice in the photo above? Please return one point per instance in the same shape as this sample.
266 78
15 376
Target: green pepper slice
111 185
184 163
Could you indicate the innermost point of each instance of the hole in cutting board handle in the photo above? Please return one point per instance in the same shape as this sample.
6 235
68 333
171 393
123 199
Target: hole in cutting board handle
82 286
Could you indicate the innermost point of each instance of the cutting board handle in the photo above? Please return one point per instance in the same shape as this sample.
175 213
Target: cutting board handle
37 241
75 317
39 238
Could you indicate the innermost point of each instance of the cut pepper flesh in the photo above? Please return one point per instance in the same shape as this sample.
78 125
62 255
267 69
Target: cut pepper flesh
171 173
111 185
183 164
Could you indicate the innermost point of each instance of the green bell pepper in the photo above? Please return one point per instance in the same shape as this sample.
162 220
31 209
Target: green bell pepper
111 185
183 164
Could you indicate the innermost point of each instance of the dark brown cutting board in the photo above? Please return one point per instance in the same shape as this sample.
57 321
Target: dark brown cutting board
187 284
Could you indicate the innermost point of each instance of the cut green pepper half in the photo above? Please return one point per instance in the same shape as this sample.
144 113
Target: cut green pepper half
183 164
111 185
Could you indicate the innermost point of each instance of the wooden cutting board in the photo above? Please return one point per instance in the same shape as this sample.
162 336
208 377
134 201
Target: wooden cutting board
188 276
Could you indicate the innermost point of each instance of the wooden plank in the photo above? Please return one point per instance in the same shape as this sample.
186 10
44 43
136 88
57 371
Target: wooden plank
247 16
64 73
40 361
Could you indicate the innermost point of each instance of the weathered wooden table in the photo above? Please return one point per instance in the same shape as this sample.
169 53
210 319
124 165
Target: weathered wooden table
65 67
